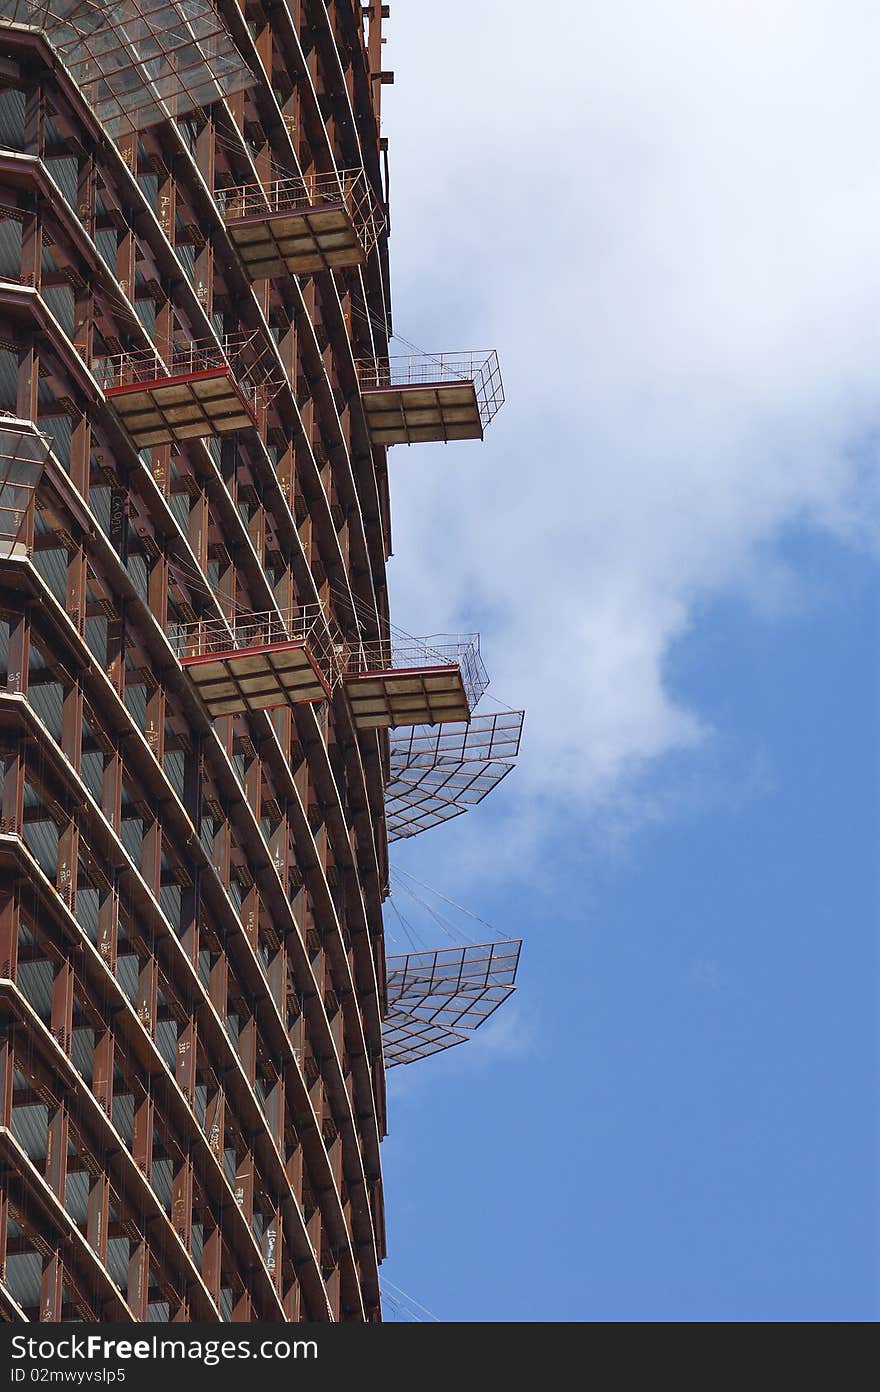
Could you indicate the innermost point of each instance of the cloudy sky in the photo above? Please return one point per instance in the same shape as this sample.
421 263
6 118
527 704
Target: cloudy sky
666 218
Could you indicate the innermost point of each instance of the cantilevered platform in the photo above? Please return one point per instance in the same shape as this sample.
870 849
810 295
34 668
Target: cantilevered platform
437 999
424 398
418 696
195 395
303 225
258 663
239 680
420 683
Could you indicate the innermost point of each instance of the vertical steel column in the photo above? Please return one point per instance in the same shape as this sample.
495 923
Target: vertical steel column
35 122
86 184
18 659
250 917
56 1150
31 250
67 862
197 530
102 1069
206 146
147 995
108 921
27 383
247 1049
273 1249
51 1289
182 1201
138 1280
84 324
157 597
215 1121
98 1216
185 1061
9 923
142 1134
12 801
80 455
125 245
190 908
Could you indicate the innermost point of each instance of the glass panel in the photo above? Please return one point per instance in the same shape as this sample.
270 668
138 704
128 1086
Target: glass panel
139 61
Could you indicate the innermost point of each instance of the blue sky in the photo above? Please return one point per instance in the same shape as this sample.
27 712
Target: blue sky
669 544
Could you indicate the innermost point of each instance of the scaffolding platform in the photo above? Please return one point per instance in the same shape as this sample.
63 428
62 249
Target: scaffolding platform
23 455
258 662
420 682
436 999
196 394
430 397
139 62
439 772
316 222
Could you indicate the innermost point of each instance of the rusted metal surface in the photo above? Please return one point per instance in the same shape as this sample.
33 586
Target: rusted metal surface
191 1096
424 397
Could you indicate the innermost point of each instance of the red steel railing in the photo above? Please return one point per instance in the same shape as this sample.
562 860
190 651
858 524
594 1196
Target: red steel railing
184 360
301 193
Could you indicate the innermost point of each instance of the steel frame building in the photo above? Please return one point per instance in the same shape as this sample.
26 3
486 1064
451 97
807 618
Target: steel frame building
198 673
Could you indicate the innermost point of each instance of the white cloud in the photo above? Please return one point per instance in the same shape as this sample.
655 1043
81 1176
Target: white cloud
666 217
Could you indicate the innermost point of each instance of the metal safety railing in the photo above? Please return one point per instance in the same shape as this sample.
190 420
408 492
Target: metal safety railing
312 625
182 360
244 356
302 193
308 624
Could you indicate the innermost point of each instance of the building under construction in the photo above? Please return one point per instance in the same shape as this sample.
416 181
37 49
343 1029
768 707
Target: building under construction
209 729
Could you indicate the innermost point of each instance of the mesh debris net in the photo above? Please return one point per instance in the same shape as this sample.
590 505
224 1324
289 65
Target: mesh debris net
305 223
436 999
439 771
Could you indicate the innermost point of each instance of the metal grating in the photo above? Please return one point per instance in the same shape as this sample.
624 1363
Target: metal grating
438 772
138 62
201 388
436 999
23 455
427 397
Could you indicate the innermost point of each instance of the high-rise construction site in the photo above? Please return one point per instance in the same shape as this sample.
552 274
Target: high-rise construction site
211 728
